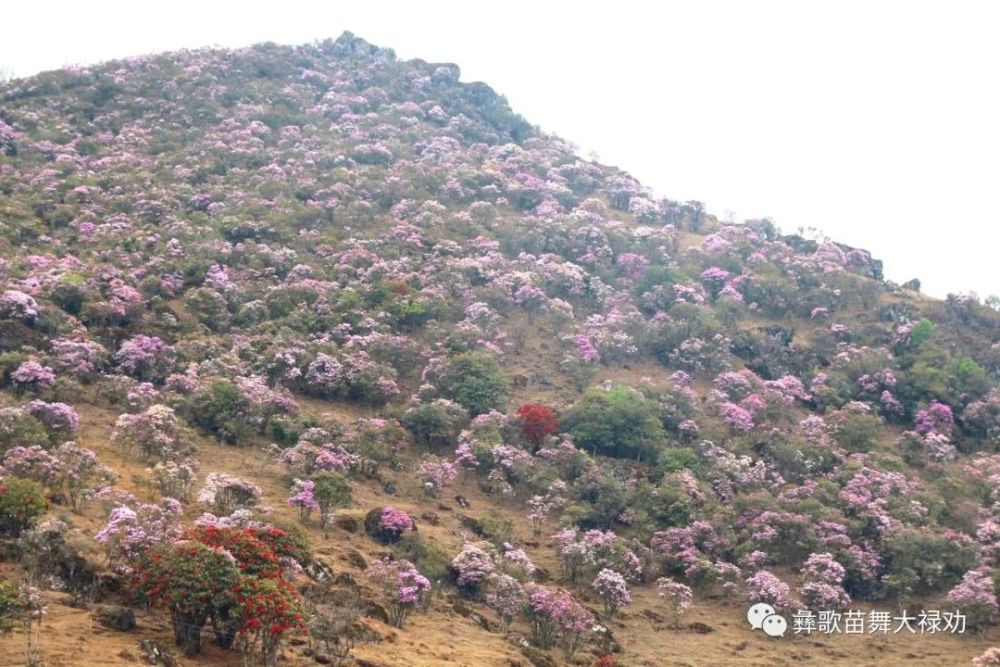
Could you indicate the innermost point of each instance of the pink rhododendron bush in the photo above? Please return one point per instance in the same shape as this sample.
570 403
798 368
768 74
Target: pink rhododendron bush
312 353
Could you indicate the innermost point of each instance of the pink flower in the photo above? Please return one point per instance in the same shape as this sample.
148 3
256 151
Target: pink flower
679 597
15 304
738 419
472 566
34 375
975 597
612 589
303 497
765 587
936 418
395 521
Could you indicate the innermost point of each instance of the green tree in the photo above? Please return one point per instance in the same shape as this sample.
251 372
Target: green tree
332 490
222 410
22 502
437 423
474 381
11 608
922 332
858 432
620 422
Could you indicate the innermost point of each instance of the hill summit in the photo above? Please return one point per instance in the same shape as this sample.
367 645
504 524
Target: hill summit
313 355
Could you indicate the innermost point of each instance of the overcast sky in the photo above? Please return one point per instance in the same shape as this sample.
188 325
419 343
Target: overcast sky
875 122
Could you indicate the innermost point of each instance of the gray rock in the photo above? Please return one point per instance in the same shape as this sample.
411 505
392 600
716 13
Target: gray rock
116 617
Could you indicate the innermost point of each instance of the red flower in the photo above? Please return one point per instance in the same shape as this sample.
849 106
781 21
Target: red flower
538 421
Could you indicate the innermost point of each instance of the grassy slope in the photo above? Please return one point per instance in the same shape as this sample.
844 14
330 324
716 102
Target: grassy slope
444 636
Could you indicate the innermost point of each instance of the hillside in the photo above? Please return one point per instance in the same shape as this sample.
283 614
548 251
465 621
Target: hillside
309 355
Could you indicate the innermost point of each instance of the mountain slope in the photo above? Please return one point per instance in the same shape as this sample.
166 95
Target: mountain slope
280 263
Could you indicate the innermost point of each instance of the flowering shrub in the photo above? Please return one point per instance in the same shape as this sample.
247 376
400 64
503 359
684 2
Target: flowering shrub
738 419
257 551
823 579
506 597
268 610
80 357
33 376
155 433
224 493
388 524
515 562
765 587
531 298
303 497
586 350
537 421
195 583
542 506
714 279
612 590
677 596
35 463
991 658
557 616
307 458
436 474
976 598
78 472
264 403
613 336
937 418
472 567
354 376
689 552
59 419
403 587
982 417
575 555
132 530
145 358
17 305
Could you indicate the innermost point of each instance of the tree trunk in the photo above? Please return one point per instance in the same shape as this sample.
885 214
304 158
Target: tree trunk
225 628
187 632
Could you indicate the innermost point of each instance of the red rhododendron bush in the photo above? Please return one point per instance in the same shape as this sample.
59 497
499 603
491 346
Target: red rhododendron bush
311 354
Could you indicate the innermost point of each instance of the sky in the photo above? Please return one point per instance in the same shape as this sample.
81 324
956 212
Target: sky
876 123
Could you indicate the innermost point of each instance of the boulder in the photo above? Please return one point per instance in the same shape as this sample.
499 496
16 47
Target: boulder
116 617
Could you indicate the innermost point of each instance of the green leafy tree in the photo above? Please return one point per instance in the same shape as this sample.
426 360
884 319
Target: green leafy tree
858 432
437 423
474 381
620 423
222 410
22 502
920 562
921 333
332 490
11 608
